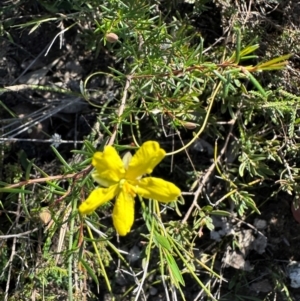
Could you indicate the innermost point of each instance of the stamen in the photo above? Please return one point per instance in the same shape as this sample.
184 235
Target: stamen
128 188
121 183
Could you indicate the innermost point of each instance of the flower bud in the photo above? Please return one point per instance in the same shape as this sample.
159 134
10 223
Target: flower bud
189 125
45 216
111 37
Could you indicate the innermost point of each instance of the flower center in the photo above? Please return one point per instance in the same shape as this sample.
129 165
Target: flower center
128 188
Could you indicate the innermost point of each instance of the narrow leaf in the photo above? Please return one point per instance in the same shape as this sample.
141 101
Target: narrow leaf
162 241
14 190
174 269
273 61
89 270
256 83
220 213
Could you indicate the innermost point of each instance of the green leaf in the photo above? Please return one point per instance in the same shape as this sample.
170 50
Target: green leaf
256 83
89 270
14 190
28 169
277 63
162 241
61 159
174 269
220 213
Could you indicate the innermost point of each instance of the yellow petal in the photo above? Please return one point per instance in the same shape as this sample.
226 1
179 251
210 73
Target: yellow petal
145 159
109 166
158 189
103 179
123 213
97 198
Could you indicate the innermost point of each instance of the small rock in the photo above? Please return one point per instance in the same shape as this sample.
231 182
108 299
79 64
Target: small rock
236 260
121 279
152 291
263 286
134 254
74 68
260 224
293 271
260 244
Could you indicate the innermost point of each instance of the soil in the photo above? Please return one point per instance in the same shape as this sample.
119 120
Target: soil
65 66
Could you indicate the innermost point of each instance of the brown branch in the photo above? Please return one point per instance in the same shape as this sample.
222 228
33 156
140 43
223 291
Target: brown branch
209 172
121 109
58 177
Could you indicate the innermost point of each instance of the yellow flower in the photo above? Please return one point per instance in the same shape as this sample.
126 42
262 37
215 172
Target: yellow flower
124 181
